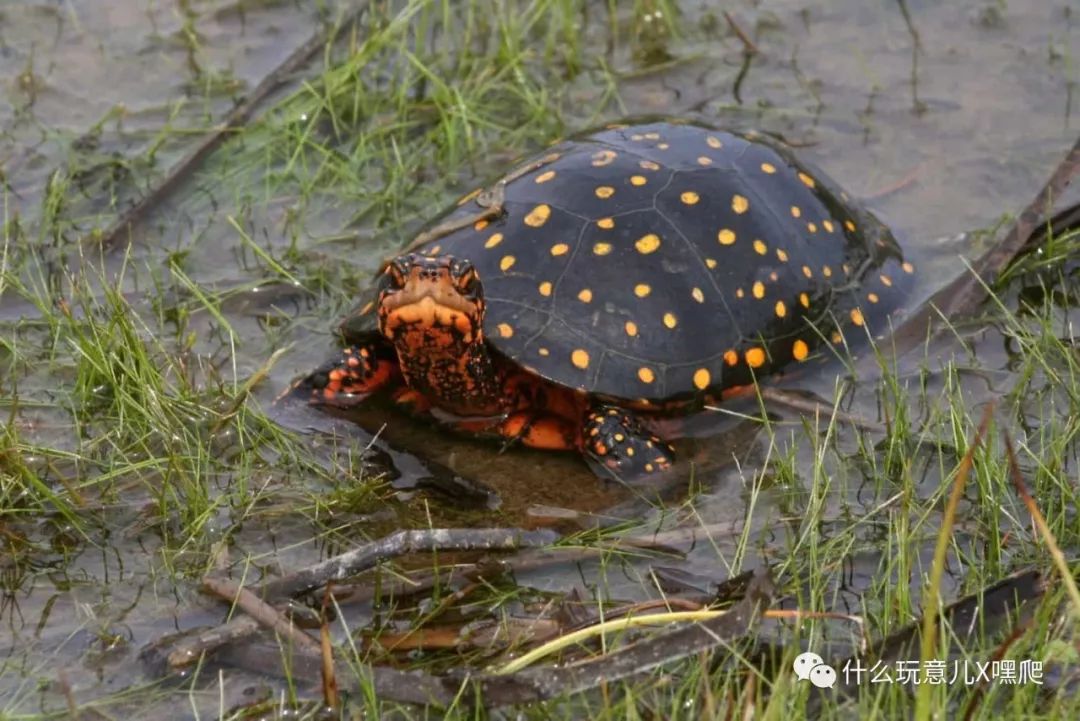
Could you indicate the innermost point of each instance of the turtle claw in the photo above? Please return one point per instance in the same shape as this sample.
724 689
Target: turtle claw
617 445
347 380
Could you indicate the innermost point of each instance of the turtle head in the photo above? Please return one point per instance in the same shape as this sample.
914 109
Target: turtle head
432 310
431 303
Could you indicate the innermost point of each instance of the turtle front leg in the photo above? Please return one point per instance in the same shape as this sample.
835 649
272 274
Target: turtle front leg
616 444
349 379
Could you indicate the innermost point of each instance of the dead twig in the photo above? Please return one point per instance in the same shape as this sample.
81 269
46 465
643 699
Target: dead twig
329 678
400 544
259 610
897 186
748 45
182 652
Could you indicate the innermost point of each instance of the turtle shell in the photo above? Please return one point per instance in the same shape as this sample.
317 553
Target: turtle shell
668 260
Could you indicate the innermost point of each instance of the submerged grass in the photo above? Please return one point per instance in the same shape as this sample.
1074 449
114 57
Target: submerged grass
127 384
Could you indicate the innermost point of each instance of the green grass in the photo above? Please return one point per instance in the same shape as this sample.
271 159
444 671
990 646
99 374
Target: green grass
133 424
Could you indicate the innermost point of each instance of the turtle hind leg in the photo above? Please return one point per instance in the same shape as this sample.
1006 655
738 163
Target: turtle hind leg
350 378
616 444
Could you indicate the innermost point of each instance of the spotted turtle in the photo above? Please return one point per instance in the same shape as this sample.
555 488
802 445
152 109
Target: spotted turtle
636 271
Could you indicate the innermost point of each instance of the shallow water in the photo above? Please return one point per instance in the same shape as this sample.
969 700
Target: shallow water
943 131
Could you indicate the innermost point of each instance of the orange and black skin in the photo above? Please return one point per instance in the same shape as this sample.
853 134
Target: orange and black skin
430 354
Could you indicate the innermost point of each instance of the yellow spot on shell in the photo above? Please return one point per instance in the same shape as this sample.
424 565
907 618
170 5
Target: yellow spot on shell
505 330
768 168
585 296
726 236
601 248
545 177
642 289
669 320
849 225
545 288
603 157
638 180
836 337
807 272
560 249
806 179
606 223
908 267
799 350
826 271
739 204
886 280
697 295
804 300
507 262
647 243
781 309
543 351
758 289
702 378
480 225
781 255
812 227
796 212
731 358
755 357
828 225
710 262
646 375
538 216
662 146
872 297
690 197
760 248
739 293
494 240
652 136
649 165
605 191
774 276
704 160
714 142
631 328
580 359
857 316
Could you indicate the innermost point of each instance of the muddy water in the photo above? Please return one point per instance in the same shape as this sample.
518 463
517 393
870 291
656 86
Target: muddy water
945 124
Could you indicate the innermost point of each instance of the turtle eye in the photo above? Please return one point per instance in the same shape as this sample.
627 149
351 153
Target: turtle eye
395 275
468 283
